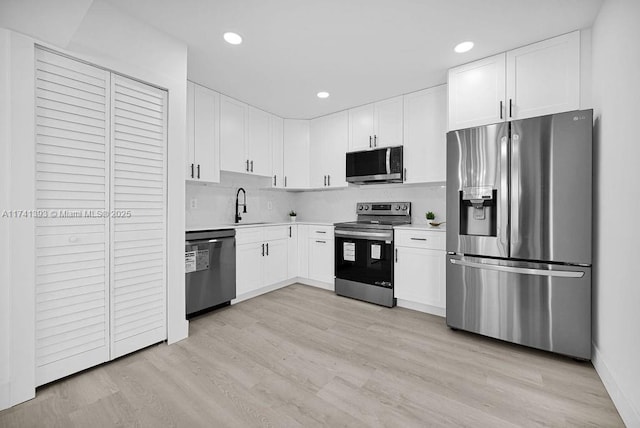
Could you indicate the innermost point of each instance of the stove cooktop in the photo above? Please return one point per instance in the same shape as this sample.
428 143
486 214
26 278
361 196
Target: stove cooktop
379 215
372 224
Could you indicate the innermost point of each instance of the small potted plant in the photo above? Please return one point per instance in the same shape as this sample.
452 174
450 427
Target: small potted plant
292 216
430 219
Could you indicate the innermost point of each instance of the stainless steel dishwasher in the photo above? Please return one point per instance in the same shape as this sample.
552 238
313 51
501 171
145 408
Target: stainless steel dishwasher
210 266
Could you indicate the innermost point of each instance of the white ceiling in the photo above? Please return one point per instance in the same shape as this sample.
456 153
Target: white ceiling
358 50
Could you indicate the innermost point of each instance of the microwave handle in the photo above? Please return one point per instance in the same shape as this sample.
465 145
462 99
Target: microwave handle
388 163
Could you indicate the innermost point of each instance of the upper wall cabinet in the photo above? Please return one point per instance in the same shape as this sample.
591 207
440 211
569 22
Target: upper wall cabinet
538 79
296 153
328 147
203 137
425 138
376 125
233 135
277 147
245 138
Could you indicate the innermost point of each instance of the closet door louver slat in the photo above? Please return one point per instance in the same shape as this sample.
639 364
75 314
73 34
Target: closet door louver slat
72 252
138 186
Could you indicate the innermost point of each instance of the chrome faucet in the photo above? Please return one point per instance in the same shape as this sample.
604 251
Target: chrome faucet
244 204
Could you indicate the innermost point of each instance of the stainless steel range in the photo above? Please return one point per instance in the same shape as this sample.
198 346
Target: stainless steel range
364 252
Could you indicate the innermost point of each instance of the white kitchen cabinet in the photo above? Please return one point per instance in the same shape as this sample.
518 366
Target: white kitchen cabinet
261 257
544 78
303 250
233 135
296 153
249 267
258 151
425 135
328 147
538 79
376 125
100 287
419 271
277 147
203 136
321 260
292 251
477 93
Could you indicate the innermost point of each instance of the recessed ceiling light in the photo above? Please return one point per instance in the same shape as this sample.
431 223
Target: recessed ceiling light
233 38
323 94
463 47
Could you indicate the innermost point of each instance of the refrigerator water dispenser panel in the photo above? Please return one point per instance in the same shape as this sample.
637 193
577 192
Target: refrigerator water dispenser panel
478 211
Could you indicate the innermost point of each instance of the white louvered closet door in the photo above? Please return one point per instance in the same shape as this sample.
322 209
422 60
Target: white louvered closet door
72 257
138 280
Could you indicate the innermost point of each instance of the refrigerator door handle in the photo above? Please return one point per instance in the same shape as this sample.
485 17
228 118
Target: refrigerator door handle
515 189
503 221
519 270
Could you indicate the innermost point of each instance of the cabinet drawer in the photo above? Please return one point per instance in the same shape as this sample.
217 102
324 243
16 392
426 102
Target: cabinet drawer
420 239
273 233
249 235
320 232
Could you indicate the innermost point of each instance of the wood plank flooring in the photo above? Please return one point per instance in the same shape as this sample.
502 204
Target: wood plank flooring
301 356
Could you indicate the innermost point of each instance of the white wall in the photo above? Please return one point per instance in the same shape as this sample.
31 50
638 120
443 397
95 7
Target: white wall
616 287
112 40
340 204
216 202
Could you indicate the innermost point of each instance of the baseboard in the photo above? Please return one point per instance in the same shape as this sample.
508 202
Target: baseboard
5 395
420 307
629 415
263 290
315 283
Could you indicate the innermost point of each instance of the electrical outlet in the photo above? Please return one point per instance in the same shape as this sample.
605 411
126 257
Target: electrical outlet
194 203
269 205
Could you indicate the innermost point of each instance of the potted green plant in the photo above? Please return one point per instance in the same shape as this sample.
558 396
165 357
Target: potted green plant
430 216
292 216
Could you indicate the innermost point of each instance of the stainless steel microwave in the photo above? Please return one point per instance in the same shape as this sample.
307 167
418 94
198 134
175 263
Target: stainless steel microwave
375 166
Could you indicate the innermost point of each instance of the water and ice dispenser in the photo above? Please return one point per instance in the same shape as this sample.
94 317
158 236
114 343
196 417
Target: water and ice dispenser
478 211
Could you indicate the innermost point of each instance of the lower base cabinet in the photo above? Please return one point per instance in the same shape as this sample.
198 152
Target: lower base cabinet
321 260
419 271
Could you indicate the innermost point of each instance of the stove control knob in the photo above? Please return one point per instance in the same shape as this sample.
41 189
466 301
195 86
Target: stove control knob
360 208
404 207
366 207
397 207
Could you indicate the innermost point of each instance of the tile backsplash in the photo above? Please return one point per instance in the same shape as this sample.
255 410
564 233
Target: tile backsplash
215 203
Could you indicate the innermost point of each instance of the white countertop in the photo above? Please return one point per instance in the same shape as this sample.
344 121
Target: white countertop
421 227
247 225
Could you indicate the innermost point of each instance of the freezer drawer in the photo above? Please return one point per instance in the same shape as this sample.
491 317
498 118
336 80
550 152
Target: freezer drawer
534 304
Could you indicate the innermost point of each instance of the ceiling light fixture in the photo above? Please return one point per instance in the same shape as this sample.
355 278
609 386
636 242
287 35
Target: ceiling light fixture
232 38
463 47
323 94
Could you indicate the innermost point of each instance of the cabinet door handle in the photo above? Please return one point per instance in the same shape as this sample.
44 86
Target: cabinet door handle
321 242
198 171
285 181
320 231
328 180
501 110
418 239
267 248
510 107
370 142
247 165
192 174
262 250
325 180
396 255
405 174
251 166
274 180
375 141
289 231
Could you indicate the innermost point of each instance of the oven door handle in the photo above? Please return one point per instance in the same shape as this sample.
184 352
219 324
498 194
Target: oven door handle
364 235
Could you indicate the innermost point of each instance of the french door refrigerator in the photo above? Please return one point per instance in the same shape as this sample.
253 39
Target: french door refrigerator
519 231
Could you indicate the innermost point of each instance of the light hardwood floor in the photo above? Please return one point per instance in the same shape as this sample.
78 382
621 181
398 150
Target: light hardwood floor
302 356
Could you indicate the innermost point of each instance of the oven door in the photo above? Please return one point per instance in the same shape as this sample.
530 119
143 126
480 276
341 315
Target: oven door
364 256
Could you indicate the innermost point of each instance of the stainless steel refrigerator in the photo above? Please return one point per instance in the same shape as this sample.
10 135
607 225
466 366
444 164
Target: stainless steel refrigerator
519 231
